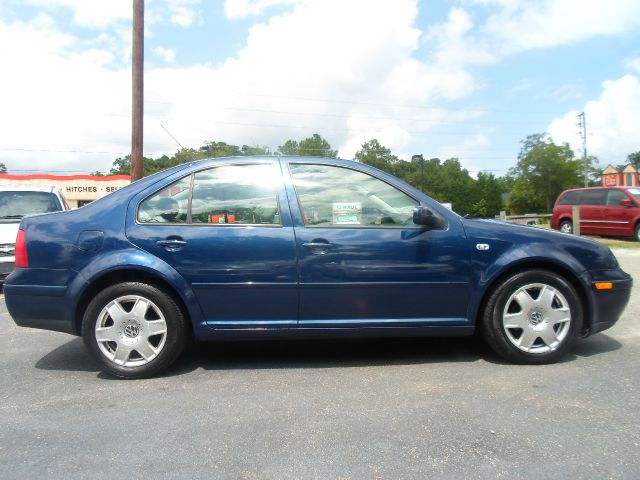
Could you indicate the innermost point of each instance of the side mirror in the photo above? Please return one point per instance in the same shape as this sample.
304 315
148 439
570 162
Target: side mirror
425 217
625 202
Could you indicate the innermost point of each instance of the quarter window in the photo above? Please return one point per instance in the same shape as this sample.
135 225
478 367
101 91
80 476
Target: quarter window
331 196
571 198
169 205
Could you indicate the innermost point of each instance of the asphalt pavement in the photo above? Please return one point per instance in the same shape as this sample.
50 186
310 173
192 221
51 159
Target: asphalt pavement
366 409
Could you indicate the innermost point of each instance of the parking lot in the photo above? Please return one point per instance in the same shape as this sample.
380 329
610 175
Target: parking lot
374 409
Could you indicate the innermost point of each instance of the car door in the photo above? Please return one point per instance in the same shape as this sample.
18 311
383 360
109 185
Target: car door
616 214
223 229
592 211
362 261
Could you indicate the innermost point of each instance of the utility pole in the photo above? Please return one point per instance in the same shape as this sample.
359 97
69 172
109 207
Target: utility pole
582 125
137 109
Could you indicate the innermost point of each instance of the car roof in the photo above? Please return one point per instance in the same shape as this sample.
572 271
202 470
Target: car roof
29 188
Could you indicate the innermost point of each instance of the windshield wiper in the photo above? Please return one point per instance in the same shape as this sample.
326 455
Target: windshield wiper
11 216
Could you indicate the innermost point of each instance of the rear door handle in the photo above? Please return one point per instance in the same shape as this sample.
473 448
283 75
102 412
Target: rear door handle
171 244
319 248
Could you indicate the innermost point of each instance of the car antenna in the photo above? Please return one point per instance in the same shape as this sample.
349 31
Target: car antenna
174 138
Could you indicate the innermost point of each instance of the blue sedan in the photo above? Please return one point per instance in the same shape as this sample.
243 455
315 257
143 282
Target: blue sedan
300 246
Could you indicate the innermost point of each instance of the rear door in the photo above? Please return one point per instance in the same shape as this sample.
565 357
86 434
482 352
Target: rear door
227 230
592 211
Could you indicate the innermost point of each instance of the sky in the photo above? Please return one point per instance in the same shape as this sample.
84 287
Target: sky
468 79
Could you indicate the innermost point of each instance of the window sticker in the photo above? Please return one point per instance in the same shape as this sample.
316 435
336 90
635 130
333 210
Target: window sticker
347 213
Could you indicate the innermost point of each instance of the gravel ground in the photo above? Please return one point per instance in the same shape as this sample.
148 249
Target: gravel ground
374 409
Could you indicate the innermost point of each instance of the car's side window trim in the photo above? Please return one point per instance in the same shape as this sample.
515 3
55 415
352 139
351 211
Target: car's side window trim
189 220
376 227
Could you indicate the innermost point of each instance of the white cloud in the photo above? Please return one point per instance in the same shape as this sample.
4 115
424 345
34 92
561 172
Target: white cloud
183 12
633 64
236 9
350 76
92 13
167 54
524 25
105 13
613 122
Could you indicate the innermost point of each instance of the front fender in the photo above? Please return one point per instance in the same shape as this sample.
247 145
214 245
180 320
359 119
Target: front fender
543 255
128 260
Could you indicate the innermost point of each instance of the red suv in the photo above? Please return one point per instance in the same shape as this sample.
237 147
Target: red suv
611 211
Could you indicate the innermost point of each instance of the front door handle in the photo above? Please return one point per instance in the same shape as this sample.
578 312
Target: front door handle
171 244
318 248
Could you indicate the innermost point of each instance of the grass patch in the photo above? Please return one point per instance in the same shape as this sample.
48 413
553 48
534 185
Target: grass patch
616 242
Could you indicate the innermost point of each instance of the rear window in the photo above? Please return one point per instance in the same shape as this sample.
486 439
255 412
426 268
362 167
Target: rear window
15 205
570 198
593 197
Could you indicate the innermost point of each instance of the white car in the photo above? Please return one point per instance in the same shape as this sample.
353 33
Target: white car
15 203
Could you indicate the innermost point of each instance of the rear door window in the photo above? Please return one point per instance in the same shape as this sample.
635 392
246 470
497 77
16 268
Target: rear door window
593 197
236 194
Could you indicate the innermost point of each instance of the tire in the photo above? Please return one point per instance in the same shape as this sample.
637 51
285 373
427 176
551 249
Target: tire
134 330
638 232
566 226
532 317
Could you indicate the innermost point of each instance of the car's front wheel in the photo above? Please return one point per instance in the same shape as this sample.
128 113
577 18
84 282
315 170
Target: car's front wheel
134 329
638 232
532 317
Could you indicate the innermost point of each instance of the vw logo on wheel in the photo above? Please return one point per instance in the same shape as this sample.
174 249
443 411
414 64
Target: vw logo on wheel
131 330
536 318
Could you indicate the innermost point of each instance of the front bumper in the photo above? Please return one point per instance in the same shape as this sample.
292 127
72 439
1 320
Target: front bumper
607 306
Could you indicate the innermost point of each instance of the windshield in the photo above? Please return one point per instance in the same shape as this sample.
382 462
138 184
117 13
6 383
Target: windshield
15 205
635 192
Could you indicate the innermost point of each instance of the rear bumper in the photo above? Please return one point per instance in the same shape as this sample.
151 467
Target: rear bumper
37 298
607 306
7 264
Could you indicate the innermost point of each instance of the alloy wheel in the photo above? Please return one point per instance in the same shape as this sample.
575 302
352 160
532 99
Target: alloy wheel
131 331
536 318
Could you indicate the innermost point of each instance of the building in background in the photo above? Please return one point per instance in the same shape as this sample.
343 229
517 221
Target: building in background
621 176
78 190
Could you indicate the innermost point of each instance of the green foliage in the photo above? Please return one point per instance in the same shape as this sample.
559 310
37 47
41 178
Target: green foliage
314 146
3 168
122 165
544 169
378 156
444 181
634 159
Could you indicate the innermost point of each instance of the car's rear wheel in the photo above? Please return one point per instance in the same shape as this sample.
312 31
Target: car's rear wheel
134 330
532 317
638 232
566 226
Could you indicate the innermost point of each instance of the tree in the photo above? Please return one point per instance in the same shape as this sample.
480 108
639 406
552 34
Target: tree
544 169
378 156
634 159
3 168
314 146
487 196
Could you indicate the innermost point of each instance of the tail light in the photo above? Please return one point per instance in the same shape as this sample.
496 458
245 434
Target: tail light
21 250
